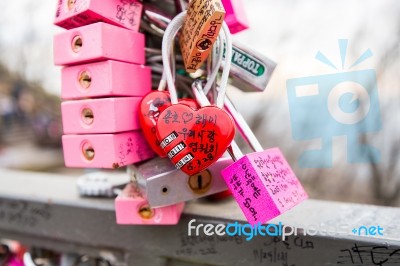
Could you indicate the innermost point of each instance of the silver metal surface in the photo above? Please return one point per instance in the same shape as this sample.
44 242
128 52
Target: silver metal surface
162 184
44 210
250 70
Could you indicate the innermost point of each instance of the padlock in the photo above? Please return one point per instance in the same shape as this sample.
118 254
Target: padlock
132 208
151 106
262 182
250 71
106 78
199 31
263 185
162 184
75 13
105 150
193 139
98 42
235 15
103 115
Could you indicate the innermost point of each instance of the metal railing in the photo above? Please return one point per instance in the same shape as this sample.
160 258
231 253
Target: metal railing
45 210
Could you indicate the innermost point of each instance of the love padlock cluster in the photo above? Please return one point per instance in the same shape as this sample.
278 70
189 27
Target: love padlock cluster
140 105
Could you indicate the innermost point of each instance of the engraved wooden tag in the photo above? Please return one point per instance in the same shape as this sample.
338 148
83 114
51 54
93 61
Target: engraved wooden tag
199 31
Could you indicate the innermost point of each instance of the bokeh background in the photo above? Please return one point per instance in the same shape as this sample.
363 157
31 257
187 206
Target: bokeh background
289 32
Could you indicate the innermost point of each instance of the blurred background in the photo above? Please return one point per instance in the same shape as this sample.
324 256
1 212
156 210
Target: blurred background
289 32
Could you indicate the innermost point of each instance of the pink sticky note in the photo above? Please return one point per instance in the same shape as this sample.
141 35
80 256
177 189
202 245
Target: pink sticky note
235 16
105 150
264 185
75 13
103 115
98 42
132 208
106 78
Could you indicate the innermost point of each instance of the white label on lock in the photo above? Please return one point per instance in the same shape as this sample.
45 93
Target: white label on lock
178 148
187 158
168 139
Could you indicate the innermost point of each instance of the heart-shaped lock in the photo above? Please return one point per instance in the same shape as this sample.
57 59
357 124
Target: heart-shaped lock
151 106
194 139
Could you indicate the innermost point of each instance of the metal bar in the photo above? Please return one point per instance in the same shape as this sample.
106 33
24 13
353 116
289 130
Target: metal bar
45 210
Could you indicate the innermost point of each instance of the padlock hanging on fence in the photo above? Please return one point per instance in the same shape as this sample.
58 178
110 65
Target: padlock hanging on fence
152 105
132 208
262 182
277 188
193 139
163 185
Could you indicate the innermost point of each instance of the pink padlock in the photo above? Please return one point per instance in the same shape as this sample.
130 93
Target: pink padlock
132 208
263 185
235 15
105 150
106 78
103 115
75 13
97 42
262 182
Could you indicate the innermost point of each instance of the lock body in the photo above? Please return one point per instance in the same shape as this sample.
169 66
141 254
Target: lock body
164 185
250 70
199 31
103 115
105 150
194 139
263 185
132 208
151 106
75 13
107 78
97 42
235 16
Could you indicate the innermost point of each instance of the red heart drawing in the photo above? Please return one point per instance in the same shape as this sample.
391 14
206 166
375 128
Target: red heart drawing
194 139
151 106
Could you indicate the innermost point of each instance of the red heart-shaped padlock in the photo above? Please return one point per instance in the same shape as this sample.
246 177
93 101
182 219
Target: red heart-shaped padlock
151 107
194 139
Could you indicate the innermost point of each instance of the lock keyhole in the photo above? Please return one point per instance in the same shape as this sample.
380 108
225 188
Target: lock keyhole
77 44
88 151
87 116
85 79
164 190
146 212
201 182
